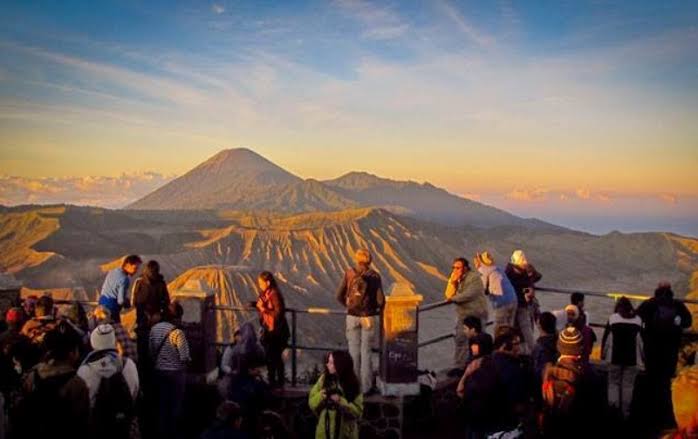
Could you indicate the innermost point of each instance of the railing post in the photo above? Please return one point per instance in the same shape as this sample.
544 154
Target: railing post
293 348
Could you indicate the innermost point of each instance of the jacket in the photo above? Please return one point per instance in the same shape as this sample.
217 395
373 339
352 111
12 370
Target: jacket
497 286
469 296
272 317
104 364
374 291
234 355
621 343
149 295
544 353
522 278
347 413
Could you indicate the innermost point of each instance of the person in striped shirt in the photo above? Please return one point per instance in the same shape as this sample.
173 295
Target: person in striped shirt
169 351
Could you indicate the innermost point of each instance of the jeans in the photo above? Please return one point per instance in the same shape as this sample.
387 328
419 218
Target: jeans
113 306
504 316
621 380
170 385
361 332
524 321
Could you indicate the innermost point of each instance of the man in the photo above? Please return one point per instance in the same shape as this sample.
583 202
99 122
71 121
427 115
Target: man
545 350
361 292
523 277
465 289
499 290
43 322
479 343
576 300
115 289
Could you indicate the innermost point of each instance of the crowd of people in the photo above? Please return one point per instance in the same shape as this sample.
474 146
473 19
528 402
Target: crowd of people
87 377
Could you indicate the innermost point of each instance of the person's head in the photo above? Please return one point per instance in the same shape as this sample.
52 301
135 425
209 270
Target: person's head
472 326
569 342
62 344
625 308
664 291
507 340
572 313
547 323
341 365
577 299
103 337
460 266
518 258
271 426
14 317
131 264
484 259
102 314
229 413
152 270
44 307
175 313
266 281
363 257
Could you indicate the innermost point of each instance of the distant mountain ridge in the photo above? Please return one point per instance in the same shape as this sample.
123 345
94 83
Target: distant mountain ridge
240 179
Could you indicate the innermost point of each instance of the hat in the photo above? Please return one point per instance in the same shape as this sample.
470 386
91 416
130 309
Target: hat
485 258
103 337
14 315
570 342
574 309
518 258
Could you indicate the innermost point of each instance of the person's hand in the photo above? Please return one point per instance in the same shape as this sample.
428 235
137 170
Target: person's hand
323 394
335 398
455 277
460 390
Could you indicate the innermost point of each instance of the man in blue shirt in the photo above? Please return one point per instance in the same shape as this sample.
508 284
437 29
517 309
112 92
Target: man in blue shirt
115 295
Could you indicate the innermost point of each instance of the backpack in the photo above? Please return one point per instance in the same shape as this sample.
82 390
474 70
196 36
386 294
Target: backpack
114 407
560 389
357 298
664 318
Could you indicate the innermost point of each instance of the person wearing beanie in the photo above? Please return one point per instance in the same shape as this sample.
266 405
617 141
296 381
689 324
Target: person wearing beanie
104 362
523 277
498 289
125 346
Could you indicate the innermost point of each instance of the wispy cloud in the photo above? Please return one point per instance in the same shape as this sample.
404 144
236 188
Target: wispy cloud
669 199
379 22
528 195
217 8
464 25
95 191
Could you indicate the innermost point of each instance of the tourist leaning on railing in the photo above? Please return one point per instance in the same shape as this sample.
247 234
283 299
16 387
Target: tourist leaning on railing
499 290
115 289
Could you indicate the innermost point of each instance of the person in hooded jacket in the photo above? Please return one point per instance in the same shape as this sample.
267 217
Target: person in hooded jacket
499 290
246 344
149 295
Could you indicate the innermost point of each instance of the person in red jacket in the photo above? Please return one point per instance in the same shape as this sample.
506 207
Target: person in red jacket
275 332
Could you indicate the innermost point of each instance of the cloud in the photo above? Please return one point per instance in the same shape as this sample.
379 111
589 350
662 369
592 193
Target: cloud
583 194
217 9
463 25
471 196
100 191
669 199
379 22
527 195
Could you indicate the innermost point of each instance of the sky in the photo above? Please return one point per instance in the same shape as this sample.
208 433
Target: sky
583 113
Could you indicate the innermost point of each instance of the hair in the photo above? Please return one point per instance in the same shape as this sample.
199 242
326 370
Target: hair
548 322
474 323
132 259
61 342
271 426
505 337
664 291
44 306
174 311
152 270
344 365
363 256
268 277
625 308
102 314
228 412
466 264
576 298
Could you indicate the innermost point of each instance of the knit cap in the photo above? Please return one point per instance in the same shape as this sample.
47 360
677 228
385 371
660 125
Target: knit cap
570 342
103 337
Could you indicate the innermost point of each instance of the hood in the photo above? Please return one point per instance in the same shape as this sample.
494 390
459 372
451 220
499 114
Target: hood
103 363
487 269
51 369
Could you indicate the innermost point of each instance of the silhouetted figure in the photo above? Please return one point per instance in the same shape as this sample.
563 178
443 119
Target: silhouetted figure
275 332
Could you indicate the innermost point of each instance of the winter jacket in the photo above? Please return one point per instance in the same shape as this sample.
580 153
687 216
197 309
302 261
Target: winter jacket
469 296
234 355
149 295
272 317
344 417
661 345
374 291
544 352
621 343
522 278
498 287
104 364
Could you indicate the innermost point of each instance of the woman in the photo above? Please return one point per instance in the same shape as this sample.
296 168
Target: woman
336 399
622 347
150 295
275 332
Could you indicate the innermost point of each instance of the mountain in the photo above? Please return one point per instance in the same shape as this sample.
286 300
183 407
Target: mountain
240 179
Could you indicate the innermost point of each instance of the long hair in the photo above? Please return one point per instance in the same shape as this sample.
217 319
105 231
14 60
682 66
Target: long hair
344 365
625 308
268 277
151 272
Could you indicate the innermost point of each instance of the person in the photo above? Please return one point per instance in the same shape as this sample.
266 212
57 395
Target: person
523 277
336 399
684 394
115 289
479 343
664 319
577 301
170 353
499 290
245 344
14 357
361 292
53 392
112 381
271 426
495 388
621 346
228 423
545 351
125 346
465 289
250 391
572 395
42 323
149 293
275 332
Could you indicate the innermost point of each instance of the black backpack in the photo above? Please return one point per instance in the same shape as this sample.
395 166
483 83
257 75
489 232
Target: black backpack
357 298
664 318
114 407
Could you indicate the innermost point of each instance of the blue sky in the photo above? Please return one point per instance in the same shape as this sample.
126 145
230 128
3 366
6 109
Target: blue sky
545 97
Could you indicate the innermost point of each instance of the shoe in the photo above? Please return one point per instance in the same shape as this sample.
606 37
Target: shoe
455 373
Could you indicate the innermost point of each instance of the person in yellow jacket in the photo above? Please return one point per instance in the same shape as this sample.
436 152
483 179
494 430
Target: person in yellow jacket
336 399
